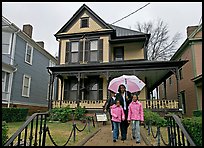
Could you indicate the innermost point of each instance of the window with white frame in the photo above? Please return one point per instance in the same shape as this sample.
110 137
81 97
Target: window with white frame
94 50
74 52
51 63
29 54
26 86
6 42
5 81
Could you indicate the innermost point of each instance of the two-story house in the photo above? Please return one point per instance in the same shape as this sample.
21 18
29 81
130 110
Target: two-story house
190 75
25 79
92 52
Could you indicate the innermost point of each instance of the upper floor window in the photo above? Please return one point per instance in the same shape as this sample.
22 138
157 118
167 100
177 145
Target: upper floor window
6 42
29 54
84 22
74 52
180 74
26 86
94 50
119 53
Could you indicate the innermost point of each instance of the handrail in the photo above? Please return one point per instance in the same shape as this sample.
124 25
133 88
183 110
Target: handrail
173 135
24 126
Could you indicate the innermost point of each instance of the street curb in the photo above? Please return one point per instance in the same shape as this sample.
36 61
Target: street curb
88 137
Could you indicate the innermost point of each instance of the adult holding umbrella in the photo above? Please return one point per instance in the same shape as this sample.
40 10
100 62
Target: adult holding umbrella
124 86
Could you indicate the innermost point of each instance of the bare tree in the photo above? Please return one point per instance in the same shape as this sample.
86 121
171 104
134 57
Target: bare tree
160 46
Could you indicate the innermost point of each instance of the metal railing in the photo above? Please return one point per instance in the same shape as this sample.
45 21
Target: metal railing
177 135
37 132
32 132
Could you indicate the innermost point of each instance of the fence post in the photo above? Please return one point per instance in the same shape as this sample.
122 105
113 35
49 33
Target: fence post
149 128
89 126
74 126
158 135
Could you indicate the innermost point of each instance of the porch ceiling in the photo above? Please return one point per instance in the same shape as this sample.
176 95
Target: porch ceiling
151 72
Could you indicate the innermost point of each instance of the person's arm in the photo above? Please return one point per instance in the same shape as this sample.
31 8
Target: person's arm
129 113
113 114
141 113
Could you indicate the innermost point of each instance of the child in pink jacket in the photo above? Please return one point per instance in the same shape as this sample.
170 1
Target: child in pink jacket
117 116
135 114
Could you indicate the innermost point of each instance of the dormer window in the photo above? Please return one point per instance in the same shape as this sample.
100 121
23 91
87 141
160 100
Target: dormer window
84 22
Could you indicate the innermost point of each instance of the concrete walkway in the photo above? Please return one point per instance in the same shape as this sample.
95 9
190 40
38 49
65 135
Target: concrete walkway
104 137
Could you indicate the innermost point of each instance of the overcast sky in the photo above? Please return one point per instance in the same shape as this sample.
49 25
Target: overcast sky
48 17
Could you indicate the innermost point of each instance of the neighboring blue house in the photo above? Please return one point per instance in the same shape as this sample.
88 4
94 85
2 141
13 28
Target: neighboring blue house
25 79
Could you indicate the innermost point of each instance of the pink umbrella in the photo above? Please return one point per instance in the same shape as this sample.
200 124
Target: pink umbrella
132 83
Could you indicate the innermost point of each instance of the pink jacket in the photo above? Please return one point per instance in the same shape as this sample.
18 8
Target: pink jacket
117 113
135 111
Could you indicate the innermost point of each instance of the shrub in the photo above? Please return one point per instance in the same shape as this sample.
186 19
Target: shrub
14 114
4 132
79 112
194 128
197 113
154 118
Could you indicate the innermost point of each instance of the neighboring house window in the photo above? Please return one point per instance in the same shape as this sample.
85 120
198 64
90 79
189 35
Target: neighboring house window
29 54
51 63
180 74
84 22
26 86
74 52
6 42
5 81
93 50
118 53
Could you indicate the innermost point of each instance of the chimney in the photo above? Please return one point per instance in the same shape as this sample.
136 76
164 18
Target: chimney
41 43
190 29
28 29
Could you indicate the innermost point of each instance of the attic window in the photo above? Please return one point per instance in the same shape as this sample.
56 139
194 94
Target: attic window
84 22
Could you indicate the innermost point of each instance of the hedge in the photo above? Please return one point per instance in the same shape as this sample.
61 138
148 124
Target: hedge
194 128
14 114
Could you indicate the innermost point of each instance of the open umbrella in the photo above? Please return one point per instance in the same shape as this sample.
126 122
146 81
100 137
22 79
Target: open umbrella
132 83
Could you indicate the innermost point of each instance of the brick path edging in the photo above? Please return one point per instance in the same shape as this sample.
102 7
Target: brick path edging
88 137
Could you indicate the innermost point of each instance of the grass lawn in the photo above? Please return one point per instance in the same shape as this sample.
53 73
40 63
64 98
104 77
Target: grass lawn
60 132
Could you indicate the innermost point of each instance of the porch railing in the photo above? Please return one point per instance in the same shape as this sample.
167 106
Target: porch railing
150 104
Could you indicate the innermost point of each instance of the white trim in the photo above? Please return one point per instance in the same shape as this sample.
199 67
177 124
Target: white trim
29 82
31 56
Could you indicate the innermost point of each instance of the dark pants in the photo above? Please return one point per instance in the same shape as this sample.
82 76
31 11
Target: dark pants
124 126
111 120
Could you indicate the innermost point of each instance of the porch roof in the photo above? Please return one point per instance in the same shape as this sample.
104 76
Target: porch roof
153 73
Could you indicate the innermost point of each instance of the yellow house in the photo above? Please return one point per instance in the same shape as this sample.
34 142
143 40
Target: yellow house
92 52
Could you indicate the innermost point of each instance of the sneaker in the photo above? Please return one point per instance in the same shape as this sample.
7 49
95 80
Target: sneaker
138 142
133 137
114 140
112 131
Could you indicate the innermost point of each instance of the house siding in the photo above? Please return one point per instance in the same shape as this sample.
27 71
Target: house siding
198 57
38 73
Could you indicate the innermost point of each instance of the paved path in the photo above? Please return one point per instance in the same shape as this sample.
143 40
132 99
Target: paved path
105 138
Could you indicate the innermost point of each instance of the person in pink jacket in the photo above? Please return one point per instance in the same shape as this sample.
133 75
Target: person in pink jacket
118 115
136 115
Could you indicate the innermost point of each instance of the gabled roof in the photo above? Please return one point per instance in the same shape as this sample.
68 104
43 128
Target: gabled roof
120 31
186 42
78 12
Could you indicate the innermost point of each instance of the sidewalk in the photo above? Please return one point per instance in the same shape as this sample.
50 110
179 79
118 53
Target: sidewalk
104 138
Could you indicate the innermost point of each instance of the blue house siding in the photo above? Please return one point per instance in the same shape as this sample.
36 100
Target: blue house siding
38 73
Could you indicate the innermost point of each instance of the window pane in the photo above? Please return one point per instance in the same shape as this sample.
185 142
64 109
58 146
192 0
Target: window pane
84 22
94 45
26 81
74 87
74 47
29 49
7 82
28 57
93 95
74 57
93 56
94 87
25 91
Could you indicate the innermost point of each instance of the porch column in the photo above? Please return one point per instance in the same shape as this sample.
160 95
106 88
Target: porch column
165 90
78 89
50 91
61 79
107 79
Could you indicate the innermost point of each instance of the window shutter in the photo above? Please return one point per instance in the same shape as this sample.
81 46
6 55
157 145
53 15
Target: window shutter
87 50
80 51
100 48
67 55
